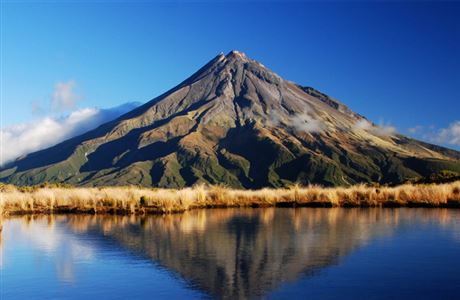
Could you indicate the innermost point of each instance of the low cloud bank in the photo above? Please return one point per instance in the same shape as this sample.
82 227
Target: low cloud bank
24 138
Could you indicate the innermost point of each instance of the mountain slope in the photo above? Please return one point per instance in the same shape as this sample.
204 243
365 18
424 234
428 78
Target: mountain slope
237 123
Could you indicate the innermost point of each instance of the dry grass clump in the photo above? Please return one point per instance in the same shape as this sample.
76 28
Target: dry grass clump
138 200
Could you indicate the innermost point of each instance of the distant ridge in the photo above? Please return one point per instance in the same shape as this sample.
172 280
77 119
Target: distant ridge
237 123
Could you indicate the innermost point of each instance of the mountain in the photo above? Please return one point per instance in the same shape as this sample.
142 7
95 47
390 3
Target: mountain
237 123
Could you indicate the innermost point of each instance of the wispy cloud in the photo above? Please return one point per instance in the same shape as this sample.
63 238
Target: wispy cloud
64 97
415 129
303 122
448 136
306 123
382 129
451 134
24 138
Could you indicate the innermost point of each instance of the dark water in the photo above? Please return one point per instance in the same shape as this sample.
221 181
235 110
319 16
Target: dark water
235 253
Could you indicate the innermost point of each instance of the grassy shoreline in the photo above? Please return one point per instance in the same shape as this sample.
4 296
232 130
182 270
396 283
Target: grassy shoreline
136 200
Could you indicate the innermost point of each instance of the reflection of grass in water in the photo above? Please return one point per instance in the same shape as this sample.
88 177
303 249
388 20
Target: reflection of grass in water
130 200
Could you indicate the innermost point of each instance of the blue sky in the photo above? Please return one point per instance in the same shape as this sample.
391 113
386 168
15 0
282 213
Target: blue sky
396 62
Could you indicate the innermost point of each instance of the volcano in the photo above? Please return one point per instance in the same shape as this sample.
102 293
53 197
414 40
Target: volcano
237 123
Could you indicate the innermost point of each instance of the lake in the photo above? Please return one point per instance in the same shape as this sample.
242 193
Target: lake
273 253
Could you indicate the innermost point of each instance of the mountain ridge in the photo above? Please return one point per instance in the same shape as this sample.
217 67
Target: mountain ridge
214 127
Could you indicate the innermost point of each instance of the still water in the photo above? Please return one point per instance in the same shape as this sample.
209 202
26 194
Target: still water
277 253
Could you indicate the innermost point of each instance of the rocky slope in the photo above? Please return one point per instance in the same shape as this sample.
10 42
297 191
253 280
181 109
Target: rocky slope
237 123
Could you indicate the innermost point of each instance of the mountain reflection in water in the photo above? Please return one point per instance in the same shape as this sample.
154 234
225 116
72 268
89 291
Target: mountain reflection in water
225 253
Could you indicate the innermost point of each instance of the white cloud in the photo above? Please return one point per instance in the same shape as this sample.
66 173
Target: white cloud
381 130
300 122
363 124
444 136
304 122
64 97
449 135
21 139
274 119
385 129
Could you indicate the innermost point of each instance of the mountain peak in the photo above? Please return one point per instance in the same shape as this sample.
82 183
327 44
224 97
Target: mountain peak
232 55
236 54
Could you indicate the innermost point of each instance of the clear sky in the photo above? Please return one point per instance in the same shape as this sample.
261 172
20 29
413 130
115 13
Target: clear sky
396 62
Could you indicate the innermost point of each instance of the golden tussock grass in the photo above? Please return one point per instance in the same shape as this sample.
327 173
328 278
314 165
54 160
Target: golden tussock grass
137 200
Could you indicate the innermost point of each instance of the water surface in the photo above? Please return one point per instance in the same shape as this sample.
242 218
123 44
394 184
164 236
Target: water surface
271 253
